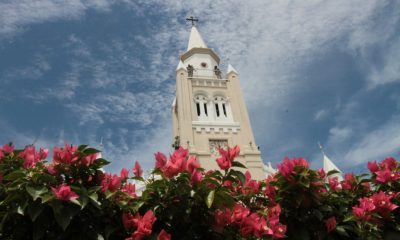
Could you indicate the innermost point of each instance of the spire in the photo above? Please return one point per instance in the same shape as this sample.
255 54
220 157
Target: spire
329 165
195 39
180 66
231 69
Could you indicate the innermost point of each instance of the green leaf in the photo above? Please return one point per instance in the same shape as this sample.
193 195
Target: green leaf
89 151
238 164
101 162
210 198
35 192
331 172
64 213
239 175
342 231
15 175
34 210
82 147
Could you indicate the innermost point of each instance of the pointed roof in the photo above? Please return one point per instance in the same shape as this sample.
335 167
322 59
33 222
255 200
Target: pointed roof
231 69
195 39
329 166
180 66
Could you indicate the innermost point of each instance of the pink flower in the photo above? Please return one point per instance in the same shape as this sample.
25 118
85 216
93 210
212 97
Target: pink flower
111 183
333 183
50 169
387 175
383 203
164 235
130 189
389 163
137 170
8 148
349 182
196 177
89 159
286 168
321 173
330 224
1 155
161 160
224 163
129 221
31 157
176 164
251 185
373 167
221 219
144 225
67 155
63 192
192 164
124 173
279 230
239 213
227 157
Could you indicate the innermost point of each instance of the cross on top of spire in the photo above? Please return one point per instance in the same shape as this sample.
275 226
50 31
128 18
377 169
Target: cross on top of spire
192 19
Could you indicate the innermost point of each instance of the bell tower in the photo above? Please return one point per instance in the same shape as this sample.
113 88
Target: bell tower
209 109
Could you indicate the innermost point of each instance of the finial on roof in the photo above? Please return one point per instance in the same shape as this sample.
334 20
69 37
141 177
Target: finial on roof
192 19
231 69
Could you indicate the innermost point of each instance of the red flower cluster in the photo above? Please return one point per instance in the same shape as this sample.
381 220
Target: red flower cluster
386 171
31 157
143 224
379 203
69 155
250 224
7 149
288 166
64 192
178 162
227 157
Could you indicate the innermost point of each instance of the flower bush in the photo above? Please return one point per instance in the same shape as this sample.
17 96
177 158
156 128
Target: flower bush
72 197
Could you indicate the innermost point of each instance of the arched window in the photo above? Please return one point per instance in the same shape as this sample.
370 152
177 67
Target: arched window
201 103
222 110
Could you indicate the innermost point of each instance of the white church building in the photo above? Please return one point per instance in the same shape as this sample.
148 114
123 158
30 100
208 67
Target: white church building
209 110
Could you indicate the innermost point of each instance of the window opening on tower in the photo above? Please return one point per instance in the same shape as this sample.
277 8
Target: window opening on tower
198 108
217 109
205 109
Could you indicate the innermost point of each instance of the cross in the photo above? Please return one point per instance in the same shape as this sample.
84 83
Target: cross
192 19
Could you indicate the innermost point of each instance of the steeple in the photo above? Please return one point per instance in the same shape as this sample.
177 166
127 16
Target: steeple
195 39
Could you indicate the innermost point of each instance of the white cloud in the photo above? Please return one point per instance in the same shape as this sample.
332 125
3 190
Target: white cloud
376 145
321 114
16 15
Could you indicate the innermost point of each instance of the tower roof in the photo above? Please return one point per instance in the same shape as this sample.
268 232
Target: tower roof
195 39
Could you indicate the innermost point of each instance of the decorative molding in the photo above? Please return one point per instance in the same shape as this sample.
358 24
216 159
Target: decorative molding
216 127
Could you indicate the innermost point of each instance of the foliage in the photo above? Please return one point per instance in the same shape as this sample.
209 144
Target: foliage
72 197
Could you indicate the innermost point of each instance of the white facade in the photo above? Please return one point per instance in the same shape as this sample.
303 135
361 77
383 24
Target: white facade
209 109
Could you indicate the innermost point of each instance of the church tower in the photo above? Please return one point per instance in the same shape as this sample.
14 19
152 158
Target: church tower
209 109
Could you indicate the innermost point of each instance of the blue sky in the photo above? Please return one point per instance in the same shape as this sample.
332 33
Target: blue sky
78 71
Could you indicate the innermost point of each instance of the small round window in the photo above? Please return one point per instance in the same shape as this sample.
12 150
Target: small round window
203 64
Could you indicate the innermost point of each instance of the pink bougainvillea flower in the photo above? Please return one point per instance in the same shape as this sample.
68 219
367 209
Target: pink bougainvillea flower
373 166
239 213
334 183
286 168
124 173
192 164
111 183
251 185
64 192
176 164
8 148
330 224
196 177
227 157
67 155
221 219
321 173
1 155
31 157
383 203
279 230
137 170
144 225
164 235
161 160
129 221
349 182
50 169
130 189
386 175
89 159
389 163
